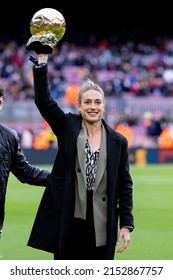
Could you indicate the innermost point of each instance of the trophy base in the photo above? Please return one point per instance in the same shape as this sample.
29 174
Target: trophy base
38 47
42 43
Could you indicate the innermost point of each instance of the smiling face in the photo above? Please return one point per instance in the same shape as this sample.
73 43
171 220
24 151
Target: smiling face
91 106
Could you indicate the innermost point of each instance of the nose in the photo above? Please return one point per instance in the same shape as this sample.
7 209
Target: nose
93 105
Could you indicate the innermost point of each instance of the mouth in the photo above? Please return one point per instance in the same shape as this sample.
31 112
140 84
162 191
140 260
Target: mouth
92 113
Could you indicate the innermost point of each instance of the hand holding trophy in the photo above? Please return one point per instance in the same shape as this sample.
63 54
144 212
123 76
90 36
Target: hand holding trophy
47 27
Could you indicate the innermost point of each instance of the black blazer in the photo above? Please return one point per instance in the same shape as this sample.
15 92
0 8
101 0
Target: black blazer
53 220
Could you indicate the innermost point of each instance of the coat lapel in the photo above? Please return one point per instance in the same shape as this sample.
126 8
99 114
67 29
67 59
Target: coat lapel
81 150
102 160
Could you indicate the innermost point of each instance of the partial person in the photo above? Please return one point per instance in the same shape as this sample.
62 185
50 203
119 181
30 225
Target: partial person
13 160
86 209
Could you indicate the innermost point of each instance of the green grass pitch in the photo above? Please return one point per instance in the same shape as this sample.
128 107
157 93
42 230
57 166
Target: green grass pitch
152 238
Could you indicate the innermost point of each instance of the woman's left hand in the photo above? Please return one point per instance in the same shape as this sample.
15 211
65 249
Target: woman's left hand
124 235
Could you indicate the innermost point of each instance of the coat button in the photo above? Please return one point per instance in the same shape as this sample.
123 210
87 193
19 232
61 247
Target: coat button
78 170
103 198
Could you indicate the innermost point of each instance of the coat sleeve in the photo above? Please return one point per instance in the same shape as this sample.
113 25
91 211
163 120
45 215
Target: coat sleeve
125 190
24 171
48 107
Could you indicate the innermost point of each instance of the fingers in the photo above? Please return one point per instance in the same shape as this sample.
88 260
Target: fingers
120 250
125 236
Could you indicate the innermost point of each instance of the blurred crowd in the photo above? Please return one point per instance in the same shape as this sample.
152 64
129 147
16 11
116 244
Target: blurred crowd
123 70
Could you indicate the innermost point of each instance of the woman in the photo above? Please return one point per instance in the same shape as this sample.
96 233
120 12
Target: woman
89 192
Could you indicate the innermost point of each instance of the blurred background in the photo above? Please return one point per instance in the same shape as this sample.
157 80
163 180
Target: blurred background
128 49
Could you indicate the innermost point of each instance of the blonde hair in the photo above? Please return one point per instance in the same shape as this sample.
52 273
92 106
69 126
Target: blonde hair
87 85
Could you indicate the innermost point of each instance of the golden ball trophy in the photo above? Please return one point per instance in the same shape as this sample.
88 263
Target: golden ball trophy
47 27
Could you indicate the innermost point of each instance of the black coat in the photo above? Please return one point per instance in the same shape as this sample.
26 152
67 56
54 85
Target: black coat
52 225
13 160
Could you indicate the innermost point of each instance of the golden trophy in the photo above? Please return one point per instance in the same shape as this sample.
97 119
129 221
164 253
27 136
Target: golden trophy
47 27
